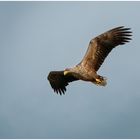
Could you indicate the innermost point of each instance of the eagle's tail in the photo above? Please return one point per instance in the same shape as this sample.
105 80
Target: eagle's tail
103 82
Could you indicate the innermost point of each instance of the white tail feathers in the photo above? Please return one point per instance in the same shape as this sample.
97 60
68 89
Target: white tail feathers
103 82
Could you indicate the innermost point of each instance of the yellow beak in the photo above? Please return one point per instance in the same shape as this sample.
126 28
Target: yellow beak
66 72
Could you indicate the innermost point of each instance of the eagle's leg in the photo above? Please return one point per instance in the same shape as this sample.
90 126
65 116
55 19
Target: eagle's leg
100 81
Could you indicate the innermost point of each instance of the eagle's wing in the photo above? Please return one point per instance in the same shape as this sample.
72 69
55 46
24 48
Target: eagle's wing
59 81
100 46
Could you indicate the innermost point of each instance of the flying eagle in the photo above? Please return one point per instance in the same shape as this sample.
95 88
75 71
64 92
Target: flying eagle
98 49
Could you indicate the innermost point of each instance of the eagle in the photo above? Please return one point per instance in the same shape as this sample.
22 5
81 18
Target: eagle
98 49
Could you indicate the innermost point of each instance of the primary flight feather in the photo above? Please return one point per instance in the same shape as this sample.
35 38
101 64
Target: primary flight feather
98 49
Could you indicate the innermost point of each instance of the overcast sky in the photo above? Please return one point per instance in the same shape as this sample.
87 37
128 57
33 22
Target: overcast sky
37 37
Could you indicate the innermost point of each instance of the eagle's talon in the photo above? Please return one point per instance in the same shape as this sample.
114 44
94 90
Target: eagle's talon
98 81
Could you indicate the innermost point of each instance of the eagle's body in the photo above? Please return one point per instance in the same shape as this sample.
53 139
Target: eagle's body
86 70
84 73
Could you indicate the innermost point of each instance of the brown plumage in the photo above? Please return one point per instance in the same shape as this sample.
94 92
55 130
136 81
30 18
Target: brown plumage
86 70
59 82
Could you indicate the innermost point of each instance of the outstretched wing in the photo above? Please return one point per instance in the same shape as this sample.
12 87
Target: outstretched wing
101 46
59 81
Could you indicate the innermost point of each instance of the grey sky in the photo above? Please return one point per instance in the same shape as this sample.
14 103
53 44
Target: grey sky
37 37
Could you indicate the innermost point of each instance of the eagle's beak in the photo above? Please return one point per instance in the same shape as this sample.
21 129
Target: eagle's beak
66 72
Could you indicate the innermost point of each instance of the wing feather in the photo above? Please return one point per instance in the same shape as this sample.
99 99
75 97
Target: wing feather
101 46
59 81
